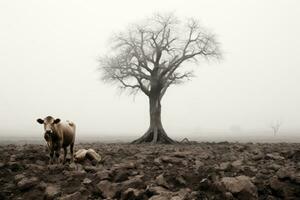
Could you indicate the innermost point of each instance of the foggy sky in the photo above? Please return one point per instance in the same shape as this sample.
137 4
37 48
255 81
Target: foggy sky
48 62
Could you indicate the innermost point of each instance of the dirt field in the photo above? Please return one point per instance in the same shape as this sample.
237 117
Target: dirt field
177 172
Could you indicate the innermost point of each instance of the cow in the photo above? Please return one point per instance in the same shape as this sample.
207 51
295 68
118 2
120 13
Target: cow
58 135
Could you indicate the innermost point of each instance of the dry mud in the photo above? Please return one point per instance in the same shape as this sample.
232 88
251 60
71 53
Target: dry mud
155 172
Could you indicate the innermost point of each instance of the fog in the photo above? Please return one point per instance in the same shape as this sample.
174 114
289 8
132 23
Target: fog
48 66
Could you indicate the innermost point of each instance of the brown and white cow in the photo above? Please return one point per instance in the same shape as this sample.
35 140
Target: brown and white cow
58 135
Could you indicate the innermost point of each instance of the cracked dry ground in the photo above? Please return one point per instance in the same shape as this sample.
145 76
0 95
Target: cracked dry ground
177 172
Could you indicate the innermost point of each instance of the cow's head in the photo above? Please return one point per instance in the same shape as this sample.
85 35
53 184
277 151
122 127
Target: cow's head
49 123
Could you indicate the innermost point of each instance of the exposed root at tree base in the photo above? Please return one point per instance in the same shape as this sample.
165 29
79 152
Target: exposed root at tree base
154 136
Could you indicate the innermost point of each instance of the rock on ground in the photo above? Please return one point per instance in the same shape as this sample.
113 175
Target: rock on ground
240 186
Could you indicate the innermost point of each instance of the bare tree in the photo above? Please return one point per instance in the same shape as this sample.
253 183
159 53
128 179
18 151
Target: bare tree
275 127
150 58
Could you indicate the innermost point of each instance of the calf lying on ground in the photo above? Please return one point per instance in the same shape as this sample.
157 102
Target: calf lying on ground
58 135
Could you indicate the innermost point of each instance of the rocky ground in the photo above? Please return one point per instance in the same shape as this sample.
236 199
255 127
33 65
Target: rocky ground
177 172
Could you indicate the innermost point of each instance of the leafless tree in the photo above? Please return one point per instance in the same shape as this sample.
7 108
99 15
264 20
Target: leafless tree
275 127
150 57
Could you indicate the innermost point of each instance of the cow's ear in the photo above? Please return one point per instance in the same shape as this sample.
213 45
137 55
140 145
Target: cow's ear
56 121
40 121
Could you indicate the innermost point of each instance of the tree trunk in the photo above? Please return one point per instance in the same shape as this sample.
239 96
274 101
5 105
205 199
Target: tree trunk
156 133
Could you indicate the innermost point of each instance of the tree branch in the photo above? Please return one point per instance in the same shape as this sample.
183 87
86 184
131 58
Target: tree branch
147 57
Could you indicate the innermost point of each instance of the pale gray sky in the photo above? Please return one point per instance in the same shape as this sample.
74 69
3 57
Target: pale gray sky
48 66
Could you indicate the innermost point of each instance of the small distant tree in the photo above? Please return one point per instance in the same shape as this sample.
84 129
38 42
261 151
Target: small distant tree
275 127
150 57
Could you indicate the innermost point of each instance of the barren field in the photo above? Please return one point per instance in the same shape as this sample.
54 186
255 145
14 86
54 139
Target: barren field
177 172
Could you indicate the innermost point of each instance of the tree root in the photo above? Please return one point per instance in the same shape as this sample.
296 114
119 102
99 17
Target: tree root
154 136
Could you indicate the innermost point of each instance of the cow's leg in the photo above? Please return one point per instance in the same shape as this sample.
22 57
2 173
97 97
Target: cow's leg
71 151
57 155
65 155
57 151
51 156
